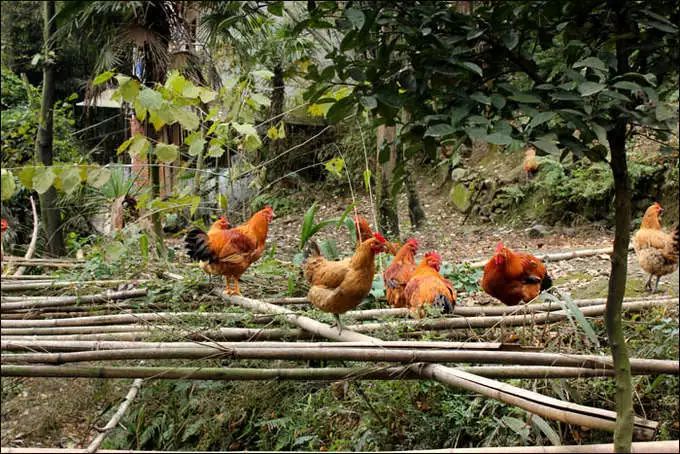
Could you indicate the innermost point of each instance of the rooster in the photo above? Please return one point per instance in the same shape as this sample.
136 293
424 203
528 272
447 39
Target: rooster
513 277
530 163
397 275
429 288
338 286
657 251
230 251
363 232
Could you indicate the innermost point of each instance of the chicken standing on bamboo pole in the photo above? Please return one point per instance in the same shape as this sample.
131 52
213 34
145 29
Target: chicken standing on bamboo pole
400 271
427 287
229 252
338 286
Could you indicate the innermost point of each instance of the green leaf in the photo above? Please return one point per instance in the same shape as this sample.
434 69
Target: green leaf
206 95
548 431
367 179
498 138
98 176
102 78
510 39
260 99
144 246
196 146
591 62
43 178
150 99
498 101
369 102
187 118
525 98
663 113
516 425
541 118
335 166
128 88
263 73
25 176
223 201
276 9
139 147
590 88
252 142
340 110
166 153
244 129
8 184
390 97
440 130
480 98
195 201
307 224
627 85
547 146
124 146
472 67
176 83
356 17
215 151
70 179
273 133
601 133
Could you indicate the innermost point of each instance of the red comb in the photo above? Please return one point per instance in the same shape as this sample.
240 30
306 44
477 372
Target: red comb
378 236
658 205
434 255
499 247
413 242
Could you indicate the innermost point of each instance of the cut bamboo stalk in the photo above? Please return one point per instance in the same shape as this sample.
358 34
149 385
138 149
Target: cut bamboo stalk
536 403
527 400
52 346
663 447
115 419
55 301
34 239
28 277
383 354
75 284
409 372
446 323
83 330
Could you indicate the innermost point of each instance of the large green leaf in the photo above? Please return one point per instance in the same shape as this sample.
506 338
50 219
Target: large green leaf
8 184
166 153
356 17
440 130
98 176
340 110
196 146
43 178
187 118
103 78
472 67
25 176
547 146
150 99
70 179
541 118
498 138
591 62
590 88
139 146
525 98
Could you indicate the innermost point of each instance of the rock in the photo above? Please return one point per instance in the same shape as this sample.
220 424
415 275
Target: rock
537 231
458 174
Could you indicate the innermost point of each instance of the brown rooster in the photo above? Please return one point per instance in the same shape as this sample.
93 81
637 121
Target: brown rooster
397 275
429 288
229 252
530 163
657 251
338 286
513 277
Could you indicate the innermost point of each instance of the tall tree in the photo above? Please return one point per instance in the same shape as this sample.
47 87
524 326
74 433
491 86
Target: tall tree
50 213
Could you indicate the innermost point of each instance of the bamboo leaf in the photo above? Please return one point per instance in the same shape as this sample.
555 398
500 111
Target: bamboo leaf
548 431
367 179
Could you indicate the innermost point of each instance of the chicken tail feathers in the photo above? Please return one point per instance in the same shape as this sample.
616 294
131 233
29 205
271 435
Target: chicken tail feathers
444 303
546 283
198 246
674 245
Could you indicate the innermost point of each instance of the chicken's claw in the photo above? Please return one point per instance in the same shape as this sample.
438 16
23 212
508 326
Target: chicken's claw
337 323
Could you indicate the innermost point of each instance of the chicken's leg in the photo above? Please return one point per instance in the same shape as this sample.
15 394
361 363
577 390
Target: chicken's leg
236 290
228 289
338 323
656 286
648 285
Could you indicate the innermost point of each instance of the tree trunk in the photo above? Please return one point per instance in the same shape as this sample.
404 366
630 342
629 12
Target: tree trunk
388 220
50 213
276 147
617 288
415 210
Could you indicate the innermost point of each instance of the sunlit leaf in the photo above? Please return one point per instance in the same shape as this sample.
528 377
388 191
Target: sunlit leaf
98 176
102 78
70 179
25 176
166 153
43 178
335 166
8 184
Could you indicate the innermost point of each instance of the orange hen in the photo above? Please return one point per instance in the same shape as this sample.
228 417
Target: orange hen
530 163
338 286
513 277
429 288
230 251
397 275
657 251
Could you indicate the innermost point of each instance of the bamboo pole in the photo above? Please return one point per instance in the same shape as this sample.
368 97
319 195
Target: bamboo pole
383 354
62 284
115 419
29 277
56 301
412 371
53 346
662 447
446 323
34 238
530 401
